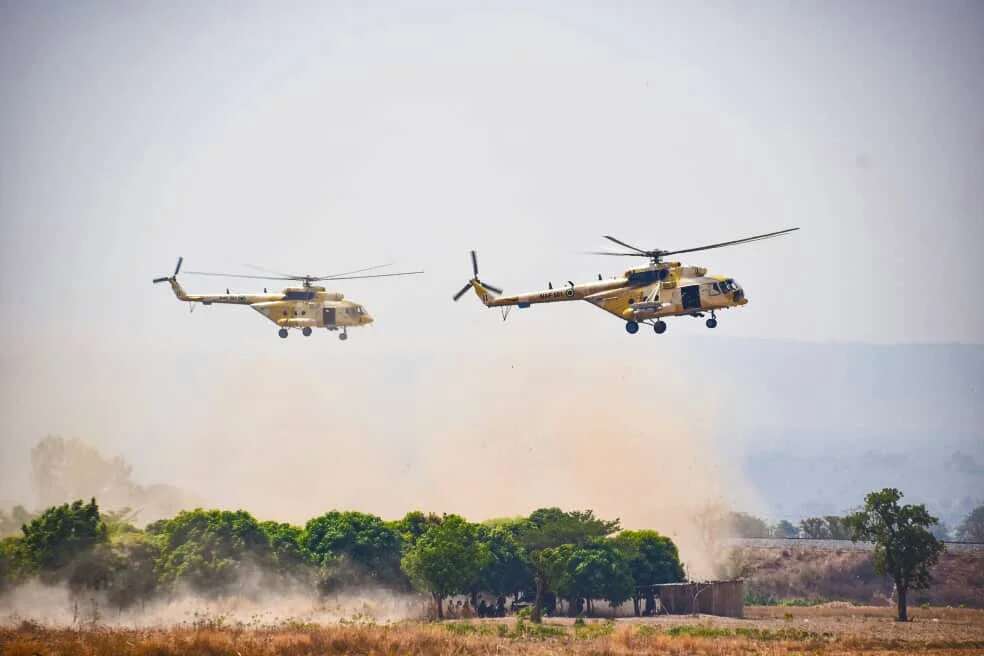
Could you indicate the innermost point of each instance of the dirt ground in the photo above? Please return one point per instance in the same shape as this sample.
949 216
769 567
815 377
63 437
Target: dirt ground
844 620
835 629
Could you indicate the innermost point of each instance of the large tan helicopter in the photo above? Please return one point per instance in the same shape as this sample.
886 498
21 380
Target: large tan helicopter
306 307
645 294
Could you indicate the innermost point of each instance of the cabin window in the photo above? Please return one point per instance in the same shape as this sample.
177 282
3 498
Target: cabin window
298 295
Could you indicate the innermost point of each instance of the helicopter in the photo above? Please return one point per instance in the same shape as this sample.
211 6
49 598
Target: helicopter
641 295
306 307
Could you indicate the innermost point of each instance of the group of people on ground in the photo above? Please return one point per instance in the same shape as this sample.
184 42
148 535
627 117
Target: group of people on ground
462 609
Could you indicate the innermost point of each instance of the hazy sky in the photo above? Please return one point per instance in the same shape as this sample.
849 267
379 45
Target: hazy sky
318 138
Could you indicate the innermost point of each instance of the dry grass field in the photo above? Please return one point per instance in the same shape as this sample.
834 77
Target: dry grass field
849 575
834 629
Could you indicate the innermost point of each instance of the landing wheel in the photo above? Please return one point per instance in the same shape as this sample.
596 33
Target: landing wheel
306 331
659 327
283 333
631 327
712 322
343 336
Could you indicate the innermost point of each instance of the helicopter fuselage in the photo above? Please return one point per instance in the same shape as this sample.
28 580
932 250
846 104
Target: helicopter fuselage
294 307
641 294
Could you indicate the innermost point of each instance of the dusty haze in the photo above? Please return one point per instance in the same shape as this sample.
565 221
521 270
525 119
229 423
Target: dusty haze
497 436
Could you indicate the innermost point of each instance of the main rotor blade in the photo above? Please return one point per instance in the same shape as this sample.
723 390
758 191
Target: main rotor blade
474 263
238 275
178 268
622 243
611 253
346 273
463 291
490 287
279 273
375 275
744 240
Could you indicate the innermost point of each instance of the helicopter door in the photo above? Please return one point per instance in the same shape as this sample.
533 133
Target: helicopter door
690 297
329 316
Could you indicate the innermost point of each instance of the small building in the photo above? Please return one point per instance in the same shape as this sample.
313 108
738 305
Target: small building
724 598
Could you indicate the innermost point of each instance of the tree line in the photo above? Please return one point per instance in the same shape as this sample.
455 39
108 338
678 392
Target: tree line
835 527
550 554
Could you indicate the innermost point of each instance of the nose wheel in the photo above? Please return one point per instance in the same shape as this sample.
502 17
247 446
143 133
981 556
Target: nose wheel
712 322
283 333
632 327
306 331
343 335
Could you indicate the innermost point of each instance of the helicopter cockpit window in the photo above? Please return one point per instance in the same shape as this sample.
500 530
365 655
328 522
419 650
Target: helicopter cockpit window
299 295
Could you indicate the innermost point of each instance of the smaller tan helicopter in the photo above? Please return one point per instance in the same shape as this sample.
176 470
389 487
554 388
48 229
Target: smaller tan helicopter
645 294
306 307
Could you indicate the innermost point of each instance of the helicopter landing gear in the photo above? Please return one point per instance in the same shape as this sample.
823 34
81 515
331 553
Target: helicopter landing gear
632 327
659 327
712 322
343 335
283 333
306 331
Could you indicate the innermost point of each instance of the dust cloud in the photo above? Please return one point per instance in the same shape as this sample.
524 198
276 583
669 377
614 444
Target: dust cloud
468 432
57 605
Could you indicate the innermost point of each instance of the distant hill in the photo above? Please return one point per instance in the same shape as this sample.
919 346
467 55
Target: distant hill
816 426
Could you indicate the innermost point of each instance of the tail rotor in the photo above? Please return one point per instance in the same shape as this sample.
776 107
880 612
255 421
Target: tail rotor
172 276
475 280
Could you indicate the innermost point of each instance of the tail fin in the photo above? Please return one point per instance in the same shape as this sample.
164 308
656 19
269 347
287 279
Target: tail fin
484 293
178 289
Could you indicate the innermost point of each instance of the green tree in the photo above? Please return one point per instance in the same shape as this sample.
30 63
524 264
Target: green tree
414 524
904 547
815 528
652 559
836 528
290 556
507 569
512 525
784 529
62 534
447 559
353 547
209 550
15 565
972 528
133 577
552 527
